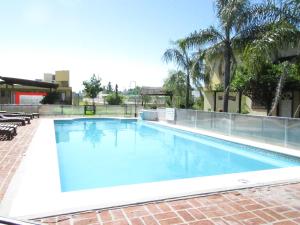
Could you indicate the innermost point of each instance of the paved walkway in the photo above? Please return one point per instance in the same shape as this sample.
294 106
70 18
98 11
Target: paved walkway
278 205
12 151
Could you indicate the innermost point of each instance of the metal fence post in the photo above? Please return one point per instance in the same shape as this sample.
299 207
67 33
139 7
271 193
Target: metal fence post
286 132
230 124
62 109
196 119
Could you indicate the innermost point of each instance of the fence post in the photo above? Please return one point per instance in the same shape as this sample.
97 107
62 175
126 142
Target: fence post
285 132
230 124
196 119
62 109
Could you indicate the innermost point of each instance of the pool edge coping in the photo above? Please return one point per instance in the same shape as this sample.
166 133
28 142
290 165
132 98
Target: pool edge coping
84 208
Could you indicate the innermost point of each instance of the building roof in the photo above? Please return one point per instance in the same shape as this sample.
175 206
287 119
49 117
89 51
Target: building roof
33 83
153 91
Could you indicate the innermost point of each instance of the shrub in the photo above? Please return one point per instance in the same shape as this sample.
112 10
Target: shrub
113 99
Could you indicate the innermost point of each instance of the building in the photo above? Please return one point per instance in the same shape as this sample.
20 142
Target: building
22 91
289 104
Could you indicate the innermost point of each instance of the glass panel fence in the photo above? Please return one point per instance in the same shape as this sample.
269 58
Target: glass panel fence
221 123
72 110
51 110
204 120
186 117
273 130
293 133
247 126
20 108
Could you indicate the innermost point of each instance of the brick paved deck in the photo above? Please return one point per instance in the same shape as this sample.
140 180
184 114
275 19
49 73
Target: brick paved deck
278 205
11 153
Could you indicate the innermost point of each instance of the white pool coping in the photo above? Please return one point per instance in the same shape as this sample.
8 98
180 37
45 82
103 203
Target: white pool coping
35 189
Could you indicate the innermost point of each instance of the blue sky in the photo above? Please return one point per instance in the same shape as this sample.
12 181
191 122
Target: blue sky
119 40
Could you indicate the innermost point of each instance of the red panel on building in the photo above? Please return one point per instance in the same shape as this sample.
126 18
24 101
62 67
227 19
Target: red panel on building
19 94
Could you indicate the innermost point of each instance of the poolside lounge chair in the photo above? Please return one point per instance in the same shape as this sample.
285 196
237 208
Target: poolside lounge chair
12 120
7 131
14 126
20 114
6 115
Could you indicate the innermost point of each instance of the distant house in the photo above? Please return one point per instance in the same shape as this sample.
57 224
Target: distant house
23 91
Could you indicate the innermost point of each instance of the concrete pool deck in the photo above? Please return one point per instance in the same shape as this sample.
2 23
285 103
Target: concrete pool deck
287 195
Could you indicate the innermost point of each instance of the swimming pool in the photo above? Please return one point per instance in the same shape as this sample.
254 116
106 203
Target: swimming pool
98 153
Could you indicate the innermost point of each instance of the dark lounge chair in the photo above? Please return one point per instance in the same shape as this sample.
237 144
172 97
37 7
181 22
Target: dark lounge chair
7 131
19 114
12 120
6 115
14 126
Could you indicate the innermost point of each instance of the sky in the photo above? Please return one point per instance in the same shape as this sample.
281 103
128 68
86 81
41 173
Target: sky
121 41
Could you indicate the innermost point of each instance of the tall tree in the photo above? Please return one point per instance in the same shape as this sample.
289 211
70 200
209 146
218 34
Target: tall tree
176 84
179 55
279 31
92 87
109 88
233 17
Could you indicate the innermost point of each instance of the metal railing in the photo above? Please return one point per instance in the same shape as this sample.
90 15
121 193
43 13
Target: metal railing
272 130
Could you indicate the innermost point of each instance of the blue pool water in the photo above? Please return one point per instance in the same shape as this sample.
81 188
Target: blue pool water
95 153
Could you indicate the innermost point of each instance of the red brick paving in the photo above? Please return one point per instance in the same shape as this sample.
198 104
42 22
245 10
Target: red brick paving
12 151
253 206
277 205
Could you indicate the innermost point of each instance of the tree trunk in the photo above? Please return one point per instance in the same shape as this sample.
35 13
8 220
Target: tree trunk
187 95
226 76
278 90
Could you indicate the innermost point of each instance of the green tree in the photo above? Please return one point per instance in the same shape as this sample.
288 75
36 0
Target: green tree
220 42
92 87
279 30
179 55
109 88
261 86
176 84
113 99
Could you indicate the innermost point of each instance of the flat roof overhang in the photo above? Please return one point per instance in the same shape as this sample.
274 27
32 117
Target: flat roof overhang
33 83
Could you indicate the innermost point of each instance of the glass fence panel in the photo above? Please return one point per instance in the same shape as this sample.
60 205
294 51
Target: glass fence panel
273 130
293 133
73 110
204 120
51 110
20 108
161 114
111 110
186 117
221 122
247 126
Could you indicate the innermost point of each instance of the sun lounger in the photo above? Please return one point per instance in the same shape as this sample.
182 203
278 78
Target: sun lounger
36 114
7 131
12 120
10 126
15 116
20 114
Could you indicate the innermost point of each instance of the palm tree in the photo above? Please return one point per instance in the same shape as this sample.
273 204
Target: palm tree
278 30
233 17
179 55
176 84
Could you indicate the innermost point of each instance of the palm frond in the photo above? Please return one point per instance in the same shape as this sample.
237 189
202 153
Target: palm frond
204 37
176 56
